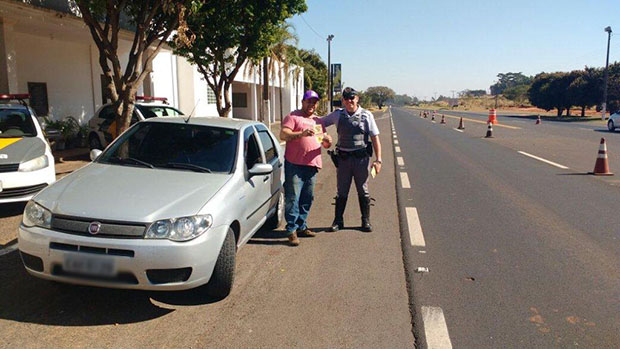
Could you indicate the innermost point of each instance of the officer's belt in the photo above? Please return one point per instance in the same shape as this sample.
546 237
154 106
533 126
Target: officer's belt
360 153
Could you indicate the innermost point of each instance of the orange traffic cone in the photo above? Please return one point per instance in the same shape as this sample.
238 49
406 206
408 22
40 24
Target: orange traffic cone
601 167
538 121
489 130
461 125
433 117
443 119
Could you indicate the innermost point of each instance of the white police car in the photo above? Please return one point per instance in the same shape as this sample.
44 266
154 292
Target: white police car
26 161
102 126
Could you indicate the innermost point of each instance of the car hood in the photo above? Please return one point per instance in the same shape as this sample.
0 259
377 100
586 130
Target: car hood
20 149
131 194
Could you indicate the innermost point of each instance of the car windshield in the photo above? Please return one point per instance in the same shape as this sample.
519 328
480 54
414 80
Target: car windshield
173 146
151 111
16 123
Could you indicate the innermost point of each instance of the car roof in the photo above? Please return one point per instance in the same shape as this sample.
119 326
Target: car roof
12 106
215 121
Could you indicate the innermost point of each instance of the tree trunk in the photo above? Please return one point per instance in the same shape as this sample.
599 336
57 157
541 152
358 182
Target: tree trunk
227 103
568 111
560 110
583 110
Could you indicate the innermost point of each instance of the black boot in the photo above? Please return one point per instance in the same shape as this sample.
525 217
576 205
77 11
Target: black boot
341 203
365 209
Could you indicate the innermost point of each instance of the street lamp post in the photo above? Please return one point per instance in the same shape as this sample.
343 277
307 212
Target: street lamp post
608 30
329 71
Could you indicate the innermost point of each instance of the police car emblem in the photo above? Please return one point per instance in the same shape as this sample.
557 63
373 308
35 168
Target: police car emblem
94 228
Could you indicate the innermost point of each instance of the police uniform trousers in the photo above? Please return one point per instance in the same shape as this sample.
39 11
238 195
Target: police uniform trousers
353 168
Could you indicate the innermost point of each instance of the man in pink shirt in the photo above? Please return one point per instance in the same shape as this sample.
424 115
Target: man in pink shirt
302 134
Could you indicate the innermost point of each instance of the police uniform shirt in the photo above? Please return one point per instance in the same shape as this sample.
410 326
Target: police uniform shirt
334 117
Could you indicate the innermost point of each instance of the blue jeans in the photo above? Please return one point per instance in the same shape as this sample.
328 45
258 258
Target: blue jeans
299 183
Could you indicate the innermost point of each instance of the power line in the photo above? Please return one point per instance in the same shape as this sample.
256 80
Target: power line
309 26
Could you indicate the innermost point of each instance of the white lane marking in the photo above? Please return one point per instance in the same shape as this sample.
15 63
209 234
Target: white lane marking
400 161
396 141
8 249
404 180
457 130
543 160
415 229
435 328
397 149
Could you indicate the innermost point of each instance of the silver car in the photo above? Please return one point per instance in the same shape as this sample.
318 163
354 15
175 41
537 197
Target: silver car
164 207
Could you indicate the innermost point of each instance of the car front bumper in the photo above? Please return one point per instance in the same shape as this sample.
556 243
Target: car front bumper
137 263
22 186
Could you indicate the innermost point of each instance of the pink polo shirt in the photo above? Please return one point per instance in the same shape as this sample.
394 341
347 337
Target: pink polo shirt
304 150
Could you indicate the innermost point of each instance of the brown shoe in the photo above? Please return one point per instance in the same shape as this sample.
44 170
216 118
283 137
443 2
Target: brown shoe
307 233
293 240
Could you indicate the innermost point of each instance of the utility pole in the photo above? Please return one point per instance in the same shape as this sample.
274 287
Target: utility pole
608 30
329 71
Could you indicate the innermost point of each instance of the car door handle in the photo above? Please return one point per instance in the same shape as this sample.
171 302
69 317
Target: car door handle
266 178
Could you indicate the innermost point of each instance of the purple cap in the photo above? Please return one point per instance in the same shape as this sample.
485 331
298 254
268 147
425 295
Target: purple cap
310 94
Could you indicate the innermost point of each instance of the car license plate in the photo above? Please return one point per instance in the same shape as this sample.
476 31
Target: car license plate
89 265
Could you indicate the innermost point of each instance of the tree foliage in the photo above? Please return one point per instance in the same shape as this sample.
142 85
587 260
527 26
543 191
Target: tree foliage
548 91
507 80
230 32
403 100
380 94
472 93
153 22
315 71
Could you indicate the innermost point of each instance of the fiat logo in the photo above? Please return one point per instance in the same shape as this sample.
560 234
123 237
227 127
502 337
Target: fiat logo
94 228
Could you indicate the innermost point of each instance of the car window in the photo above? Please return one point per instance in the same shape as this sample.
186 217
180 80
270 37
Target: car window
16 123
268 146
151 111
252 152
175 146
107 113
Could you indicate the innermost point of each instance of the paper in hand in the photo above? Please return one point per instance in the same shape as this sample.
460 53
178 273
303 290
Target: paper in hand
373 172
318 132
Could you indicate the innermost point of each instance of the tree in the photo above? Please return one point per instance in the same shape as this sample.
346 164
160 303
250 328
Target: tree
472 93
517 93
509 80
152 23
549 91
380 94
230 32
586 90
613 88
315 71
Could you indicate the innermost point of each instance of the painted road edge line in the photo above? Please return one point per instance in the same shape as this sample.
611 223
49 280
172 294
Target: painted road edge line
543 160
400 161
457 130
397 149
404 180
435 328
416 236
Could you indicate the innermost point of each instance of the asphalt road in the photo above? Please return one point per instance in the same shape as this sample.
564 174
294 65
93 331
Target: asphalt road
344 289
520 253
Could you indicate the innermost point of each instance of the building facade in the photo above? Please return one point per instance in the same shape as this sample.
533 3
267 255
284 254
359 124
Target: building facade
48 51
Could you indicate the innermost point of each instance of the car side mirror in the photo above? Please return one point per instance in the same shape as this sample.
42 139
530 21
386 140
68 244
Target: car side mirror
95 154
261 169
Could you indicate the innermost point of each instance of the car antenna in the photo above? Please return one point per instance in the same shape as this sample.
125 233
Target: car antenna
192 113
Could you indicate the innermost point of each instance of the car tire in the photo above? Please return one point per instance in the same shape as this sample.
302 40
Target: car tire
94 142
223 277
610 126
275 221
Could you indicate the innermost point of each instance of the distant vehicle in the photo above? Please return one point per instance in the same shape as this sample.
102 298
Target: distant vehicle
613 122
164 207
102 126
26 161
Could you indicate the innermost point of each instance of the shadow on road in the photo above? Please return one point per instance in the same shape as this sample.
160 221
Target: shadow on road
31 300
12 209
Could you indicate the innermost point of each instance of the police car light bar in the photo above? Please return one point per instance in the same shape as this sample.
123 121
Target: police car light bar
150 98
18 96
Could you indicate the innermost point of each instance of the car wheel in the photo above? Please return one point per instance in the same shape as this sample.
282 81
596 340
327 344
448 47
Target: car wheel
221 282
610 126
94 142
276 220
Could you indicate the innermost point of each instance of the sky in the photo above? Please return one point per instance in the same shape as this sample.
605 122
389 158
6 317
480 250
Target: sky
428 48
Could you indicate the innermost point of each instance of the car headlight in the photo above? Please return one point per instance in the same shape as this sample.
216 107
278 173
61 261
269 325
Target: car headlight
34 164
179 229
36 215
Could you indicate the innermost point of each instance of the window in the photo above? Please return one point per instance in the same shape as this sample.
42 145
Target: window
150 111
252 151
210 96
268 146
16 123
38 97
240 100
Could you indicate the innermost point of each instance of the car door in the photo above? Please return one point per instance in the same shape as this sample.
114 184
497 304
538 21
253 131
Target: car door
255 195
271 151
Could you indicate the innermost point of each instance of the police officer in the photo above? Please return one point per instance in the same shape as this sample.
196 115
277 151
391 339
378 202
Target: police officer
358 137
